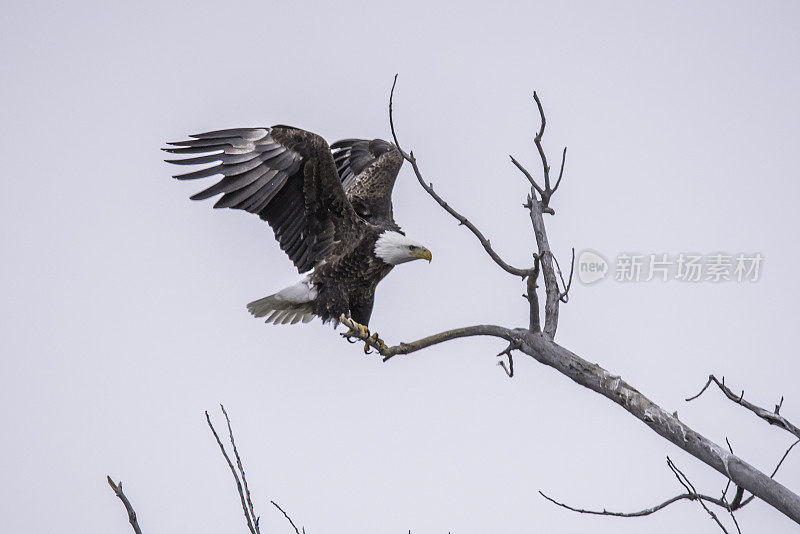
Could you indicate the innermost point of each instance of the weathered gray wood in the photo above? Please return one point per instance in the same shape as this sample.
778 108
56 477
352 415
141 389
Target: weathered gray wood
542 348
613 387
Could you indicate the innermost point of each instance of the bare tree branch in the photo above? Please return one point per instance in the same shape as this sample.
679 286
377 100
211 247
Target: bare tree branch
241 483
524 171
252 521
428 187
735 504
639 513
541 347
785 454
683 479
537 140
241 470
564 296
287 517
737 497
772 417
613 387
545 256
774 471
561 171
546 192
690 495
507 352
435 339
128 506
537 207
534 324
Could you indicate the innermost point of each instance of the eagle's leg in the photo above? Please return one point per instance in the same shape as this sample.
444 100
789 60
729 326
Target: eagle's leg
356 329
360 331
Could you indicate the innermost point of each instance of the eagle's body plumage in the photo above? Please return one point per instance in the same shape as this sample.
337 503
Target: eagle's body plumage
331 211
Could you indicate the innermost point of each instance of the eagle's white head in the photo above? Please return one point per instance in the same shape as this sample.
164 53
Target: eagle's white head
395 248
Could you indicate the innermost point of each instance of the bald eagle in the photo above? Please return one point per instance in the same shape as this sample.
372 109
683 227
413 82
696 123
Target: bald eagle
329 207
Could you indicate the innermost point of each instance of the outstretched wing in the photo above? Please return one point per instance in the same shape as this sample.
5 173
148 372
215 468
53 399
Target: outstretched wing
285 175
368 170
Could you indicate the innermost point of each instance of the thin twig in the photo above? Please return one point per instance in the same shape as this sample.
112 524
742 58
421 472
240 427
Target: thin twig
287 517
428 187
737 497
772 417
537 140
241 471
785 454
128 506
684 480
774 471
561 171
639 513
235 476
690 495
507 352
564 297
391 118
527 175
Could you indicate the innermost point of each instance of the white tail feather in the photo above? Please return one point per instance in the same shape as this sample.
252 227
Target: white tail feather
289 305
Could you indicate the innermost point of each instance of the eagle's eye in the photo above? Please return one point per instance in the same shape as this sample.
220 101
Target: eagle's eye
413 247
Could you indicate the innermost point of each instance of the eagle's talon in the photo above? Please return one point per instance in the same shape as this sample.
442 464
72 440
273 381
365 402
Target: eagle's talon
358 331
381 345
355 329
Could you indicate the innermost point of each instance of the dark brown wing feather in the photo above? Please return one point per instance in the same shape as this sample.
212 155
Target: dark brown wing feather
368 170
285 175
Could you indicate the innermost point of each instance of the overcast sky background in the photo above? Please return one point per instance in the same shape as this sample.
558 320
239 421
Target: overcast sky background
123 316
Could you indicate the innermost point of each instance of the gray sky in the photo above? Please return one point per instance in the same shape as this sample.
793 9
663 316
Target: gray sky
124 317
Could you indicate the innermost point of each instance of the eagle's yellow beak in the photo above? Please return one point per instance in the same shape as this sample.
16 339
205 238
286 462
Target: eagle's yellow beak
423 254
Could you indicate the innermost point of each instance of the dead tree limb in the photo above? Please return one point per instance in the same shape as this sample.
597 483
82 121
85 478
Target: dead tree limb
250 517
435 339
684 480
545 256
751 497
613 387
240 467
276 505
772 417
638 513
253 521
542 347
128 506
735 504
691 494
